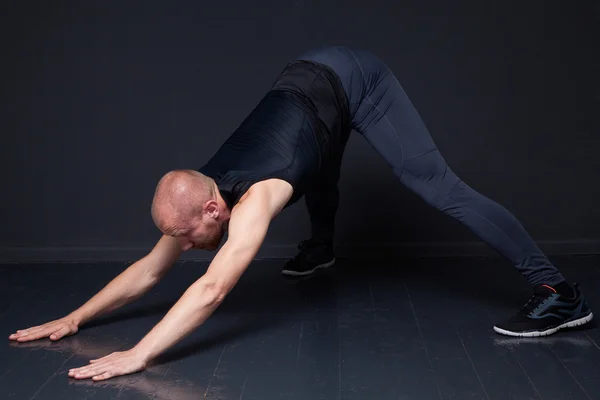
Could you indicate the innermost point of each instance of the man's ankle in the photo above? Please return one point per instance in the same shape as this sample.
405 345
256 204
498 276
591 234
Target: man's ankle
321 241
564 289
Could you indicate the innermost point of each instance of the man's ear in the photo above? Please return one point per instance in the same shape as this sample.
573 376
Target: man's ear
211 207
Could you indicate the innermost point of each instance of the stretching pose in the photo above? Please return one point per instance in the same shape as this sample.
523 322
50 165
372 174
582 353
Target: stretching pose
291 145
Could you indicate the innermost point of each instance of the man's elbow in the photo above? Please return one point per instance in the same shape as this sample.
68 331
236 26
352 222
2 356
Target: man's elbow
212 293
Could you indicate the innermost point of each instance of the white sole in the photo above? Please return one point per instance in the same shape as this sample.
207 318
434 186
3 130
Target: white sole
570 324
311 271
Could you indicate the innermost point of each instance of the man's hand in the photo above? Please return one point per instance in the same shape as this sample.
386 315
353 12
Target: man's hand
114 364
55 330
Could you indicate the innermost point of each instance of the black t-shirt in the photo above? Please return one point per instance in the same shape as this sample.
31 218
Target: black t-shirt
291 134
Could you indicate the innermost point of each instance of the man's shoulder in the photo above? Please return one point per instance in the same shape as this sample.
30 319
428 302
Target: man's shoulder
271 186
273 190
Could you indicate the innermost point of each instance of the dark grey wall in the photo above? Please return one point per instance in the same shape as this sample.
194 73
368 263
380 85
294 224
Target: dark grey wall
99 99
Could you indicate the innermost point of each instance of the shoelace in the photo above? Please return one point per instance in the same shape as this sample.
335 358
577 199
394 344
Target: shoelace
533 302
303 246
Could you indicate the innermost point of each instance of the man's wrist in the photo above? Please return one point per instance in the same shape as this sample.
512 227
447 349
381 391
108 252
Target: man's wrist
143 352
76 318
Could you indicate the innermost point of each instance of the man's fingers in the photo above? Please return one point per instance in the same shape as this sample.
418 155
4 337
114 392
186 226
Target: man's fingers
101 363
85 374
30 336
19 333
53 330
25 332
80 372
114 364
89 371
63 331
36 334
30 329
109 357
101 377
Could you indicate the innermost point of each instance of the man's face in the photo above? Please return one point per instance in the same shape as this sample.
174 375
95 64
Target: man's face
203 234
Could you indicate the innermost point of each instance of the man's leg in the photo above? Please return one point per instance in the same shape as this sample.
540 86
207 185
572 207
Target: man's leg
317 252
389 122
322 201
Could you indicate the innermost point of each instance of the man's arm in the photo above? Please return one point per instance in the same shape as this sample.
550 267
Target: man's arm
132 283
128 286
248 226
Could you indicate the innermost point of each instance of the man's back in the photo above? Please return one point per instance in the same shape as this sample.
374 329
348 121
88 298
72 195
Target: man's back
289 135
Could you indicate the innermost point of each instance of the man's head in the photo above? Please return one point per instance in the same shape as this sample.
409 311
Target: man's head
187 205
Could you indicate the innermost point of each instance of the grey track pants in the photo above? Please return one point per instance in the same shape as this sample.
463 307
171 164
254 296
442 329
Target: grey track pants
383 114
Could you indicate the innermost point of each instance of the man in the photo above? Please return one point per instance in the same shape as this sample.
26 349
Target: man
289 146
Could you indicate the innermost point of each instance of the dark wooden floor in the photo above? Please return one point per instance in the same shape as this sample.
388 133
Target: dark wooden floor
413 329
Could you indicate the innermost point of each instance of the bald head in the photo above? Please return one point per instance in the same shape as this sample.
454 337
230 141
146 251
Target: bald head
180 198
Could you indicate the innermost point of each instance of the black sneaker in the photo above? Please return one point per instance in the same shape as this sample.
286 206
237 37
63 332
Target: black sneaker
546 312
313 255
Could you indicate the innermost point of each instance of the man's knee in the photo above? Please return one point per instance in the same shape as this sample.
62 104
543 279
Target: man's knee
432 167
430 177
